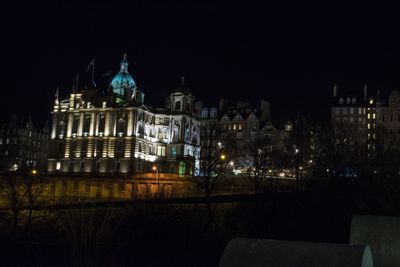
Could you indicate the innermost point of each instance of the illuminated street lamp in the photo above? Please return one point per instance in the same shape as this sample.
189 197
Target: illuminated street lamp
155 168
222 157
34 172
231 163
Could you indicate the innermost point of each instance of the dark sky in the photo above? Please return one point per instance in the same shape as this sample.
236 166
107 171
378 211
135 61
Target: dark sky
290 55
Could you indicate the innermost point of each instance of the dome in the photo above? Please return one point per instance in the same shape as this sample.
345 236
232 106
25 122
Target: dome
123 79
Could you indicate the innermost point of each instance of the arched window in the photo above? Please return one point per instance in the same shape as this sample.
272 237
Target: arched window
341 101
121 127
348 101
86 125
61 129
75 125
353 101
177 105
102 122
182 168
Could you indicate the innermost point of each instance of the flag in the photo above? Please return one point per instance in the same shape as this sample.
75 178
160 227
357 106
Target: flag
90 64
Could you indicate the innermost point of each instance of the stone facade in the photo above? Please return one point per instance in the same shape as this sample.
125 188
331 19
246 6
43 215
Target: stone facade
114 132
23 147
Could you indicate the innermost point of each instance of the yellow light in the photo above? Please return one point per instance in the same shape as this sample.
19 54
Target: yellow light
34 171
222 157
269 171
371 101
154 168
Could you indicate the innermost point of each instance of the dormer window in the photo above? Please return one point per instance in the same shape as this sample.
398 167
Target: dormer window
341 101
213 113
204 113
348 101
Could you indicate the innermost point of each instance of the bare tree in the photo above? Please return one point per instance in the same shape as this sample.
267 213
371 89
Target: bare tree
217 150
14 194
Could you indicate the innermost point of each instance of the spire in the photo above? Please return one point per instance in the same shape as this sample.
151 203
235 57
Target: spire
124 64
56 96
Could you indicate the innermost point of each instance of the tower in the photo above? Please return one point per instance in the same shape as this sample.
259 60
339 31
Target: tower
123 84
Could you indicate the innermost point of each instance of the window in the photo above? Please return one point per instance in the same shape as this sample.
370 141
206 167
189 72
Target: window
359 111
177 105
82 165
86 126
341 101
98 165
61 129
351 120
102 122
239 135
240 127
161 151
75 125
234 127
120 148
182 168
118 165
213 112
351 110
348 101
58 165
337 111
373 115
173 152
353 101
121 127
344 110
204 112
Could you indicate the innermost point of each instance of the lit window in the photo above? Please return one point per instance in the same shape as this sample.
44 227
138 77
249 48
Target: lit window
374 116
104 104
371 101
161 151
369 126
234 127
240 127
58 165
369 116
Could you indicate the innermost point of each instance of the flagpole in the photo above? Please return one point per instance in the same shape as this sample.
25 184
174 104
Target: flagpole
93 71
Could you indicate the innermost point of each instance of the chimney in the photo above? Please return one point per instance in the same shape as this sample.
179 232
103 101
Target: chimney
365 92
334 90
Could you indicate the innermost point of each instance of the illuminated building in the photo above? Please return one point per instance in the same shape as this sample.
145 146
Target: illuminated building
23 147
370 120
114 132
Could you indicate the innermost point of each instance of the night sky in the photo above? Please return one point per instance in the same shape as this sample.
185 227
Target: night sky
289 55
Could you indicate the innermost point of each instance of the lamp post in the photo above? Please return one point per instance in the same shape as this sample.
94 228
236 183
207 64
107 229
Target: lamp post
157 170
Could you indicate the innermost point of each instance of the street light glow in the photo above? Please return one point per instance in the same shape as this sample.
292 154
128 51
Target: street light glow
222 157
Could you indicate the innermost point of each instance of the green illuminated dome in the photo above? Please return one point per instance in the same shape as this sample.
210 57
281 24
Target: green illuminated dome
123 79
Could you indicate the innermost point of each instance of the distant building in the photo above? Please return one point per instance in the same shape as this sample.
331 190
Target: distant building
242 123
367 119
114 132
22 146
